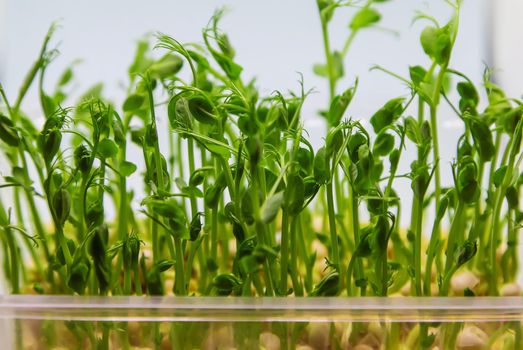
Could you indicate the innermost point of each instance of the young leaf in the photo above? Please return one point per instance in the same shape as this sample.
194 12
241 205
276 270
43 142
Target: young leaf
339 106
482 138
195 227
466 252
437 43
8 132
365 17
328 286
133 102
62 206
107 148
79 275
226 283
179 114
165 67
127 168
201 109
321 166
469 97
384 144
294 195
387 114
417 74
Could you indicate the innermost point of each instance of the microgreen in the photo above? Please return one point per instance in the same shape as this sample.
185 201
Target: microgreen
235 203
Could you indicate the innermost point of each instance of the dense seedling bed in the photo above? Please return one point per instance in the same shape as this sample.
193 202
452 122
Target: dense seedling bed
238 201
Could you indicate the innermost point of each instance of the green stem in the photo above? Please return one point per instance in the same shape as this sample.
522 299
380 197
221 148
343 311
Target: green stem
137 280
261 229
328 57
332 226
284 254
434 132
296 284
180 275
358 269
431 252
450 266
417 247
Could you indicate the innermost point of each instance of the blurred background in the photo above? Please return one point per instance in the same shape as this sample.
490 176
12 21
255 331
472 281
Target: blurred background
275 40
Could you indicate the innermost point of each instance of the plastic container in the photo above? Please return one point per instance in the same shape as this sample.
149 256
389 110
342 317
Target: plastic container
53 322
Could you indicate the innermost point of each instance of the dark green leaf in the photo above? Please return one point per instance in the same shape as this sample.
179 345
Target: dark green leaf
294 197
387 115
466 252
328 286
62 206
321 166
384 144
499 175
201 109
482 138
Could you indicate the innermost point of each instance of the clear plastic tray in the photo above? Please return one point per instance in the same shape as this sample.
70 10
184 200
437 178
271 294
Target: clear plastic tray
50 322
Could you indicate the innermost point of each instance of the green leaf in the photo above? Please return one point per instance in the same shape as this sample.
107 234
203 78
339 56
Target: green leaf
202 109
417 74
365 17
384 144
188 190
165 67
226 283
107 148
212 196
469 97
499 175
62 206
294 197
133 102
334 141
195 227
320 70
412 130
8 132
387 115
337 65
437 43
218 150
231 68
197 177
179 114
127 168
326 8
141 61
321 166
466 252
305 158
339 105
79 275
270 207
328 285
66 77
482 138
